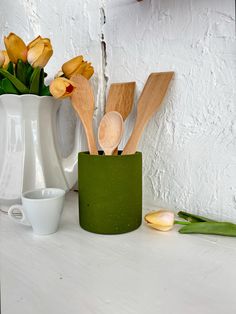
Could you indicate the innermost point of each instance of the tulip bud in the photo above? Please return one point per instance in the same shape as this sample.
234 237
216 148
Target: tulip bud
72 66
34 42
61 87
39 52
7 60
2 59
16 48
162 220
88 71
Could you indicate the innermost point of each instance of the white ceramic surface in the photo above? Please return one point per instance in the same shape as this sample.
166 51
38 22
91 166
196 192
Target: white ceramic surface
140 272
29 154
41 209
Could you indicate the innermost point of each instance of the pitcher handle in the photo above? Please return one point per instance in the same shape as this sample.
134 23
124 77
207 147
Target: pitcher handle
70 163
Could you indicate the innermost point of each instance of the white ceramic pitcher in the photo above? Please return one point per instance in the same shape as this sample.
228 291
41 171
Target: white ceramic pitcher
29 153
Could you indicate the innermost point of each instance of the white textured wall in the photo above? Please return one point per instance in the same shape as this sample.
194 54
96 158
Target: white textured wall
190 146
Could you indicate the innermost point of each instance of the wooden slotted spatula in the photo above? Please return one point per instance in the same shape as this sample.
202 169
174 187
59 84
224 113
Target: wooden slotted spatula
83 102
121 99
148 103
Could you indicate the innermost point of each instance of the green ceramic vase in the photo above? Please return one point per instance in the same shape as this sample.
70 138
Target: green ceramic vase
110 192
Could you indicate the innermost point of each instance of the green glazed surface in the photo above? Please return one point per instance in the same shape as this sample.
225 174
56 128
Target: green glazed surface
110 192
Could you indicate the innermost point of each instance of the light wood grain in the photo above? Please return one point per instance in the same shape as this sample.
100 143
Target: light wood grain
83 102
110 131
149 102
121 98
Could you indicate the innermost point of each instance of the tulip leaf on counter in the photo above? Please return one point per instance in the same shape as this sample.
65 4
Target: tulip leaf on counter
10 68
15 81
21 71
8 87
35 81
217 228
193 218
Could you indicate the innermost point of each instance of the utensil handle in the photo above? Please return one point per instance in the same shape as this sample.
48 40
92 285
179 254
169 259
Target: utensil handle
115 153
23 220
92 147
132 144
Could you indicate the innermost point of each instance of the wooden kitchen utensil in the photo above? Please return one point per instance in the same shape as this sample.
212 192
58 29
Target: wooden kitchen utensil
83 102
110 131
149 101
121 98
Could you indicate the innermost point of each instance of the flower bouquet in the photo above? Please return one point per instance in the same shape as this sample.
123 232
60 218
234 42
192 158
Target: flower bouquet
22 69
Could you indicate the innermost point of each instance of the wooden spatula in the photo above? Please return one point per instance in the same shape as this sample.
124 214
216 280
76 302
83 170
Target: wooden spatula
83 102
121 99
149 102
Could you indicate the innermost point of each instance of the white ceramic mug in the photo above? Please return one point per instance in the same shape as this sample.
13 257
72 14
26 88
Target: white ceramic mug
40 209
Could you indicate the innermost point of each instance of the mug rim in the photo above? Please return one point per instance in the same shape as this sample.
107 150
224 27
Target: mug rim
62 193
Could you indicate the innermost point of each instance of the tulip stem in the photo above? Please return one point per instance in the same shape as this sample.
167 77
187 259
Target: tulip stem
177 222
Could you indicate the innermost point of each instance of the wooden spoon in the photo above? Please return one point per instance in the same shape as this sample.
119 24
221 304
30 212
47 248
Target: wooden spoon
83 102
121 98
110 131
149 101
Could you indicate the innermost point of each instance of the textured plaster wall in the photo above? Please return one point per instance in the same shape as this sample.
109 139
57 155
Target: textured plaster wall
189 147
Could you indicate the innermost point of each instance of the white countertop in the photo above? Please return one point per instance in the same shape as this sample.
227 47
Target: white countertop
142 272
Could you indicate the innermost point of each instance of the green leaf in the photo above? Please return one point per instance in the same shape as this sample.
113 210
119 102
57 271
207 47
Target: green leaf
8 87
41 80
17 83
21 71
29 72
218 228
35 81
1 91
192 218
10 68
45 91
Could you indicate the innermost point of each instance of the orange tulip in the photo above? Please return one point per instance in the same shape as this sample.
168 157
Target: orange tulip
2 59
77 66
34 42
88 71
16 48
69 68
39 52
61 87
7 60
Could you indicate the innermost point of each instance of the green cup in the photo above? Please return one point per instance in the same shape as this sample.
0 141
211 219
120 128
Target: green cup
110 192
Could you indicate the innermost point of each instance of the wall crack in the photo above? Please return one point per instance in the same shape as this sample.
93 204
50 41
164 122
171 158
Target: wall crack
103 49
